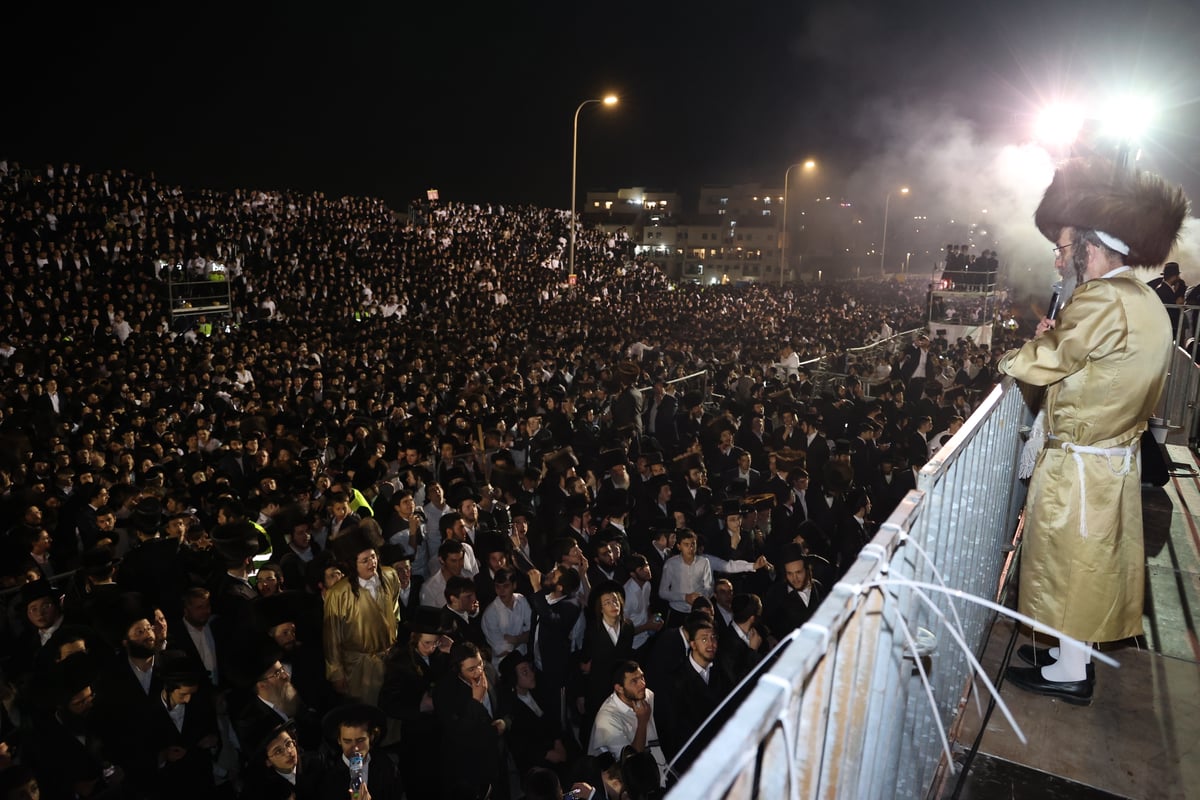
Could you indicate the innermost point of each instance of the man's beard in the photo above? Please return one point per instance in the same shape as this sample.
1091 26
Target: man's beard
285 698
137 650
621 483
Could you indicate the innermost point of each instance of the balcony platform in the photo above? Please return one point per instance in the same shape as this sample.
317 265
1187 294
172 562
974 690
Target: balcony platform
1140 738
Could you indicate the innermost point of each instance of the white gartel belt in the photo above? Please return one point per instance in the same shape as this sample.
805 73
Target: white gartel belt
1078 451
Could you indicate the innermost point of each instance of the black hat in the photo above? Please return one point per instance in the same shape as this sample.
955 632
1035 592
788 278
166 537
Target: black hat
689 461
791 552
521 510
509 664
655 483
614 457
97 561
73 674
262 731
115 619
147 514
561 460
253 661
391 553
352 542
36 590
275 610
613 503
732 505
237 541
1170 269
462 492
575 506
426 619
354 713
178 668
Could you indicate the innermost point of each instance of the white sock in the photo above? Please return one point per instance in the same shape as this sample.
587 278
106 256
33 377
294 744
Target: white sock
1071 665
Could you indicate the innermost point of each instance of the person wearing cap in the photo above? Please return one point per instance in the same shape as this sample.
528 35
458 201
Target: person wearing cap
1171 290
1104 361
361 618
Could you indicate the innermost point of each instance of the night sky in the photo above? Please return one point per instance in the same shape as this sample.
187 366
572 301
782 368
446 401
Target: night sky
391 98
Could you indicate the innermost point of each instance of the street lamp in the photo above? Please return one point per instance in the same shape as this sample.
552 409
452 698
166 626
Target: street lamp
807 165
883 244
608 100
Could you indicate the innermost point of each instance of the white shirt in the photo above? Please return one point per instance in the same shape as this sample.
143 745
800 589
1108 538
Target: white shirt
615 727
680 579
637 608
499 620
176 714
143 676
433 591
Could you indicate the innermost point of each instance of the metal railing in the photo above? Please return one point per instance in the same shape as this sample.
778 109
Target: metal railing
843 711
835 367
1177 410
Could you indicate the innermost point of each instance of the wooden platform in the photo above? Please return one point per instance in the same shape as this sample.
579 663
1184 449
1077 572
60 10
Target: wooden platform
1140 738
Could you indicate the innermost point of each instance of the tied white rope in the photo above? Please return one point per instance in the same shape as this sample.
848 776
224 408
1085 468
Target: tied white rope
1033 446
1078 451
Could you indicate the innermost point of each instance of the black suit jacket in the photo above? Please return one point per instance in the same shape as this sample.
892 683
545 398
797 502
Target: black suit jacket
603 655
552 635
681 710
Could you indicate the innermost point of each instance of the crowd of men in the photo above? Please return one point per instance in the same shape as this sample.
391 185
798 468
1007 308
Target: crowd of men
418 498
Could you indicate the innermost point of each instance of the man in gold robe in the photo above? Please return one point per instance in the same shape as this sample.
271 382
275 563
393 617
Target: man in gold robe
361 619
1104 362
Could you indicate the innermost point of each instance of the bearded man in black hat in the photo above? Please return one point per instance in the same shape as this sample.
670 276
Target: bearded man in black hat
1104 362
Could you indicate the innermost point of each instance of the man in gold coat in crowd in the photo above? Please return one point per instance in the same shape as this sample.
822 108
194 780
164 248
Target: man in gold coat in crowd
361 618
1104 362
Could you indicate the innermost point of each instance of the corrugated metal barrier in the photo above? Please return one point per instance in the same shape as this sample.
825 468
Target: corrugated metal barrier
844 712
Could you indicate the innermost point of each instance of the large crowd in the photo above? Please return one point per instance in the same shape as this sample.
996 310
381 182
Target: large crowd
419 513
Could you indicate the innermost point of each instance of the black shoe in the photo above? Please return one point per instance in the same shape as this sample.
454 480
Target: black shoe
1040 657
1078 693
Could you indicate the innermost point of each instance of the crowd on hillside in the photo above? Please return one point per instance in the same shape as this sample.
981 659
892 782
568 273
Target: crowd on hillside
418 512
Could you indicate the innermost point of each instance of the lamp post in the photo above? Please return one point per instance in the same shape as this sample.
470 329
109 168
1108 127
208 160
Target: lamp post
883 244
608 100
783 238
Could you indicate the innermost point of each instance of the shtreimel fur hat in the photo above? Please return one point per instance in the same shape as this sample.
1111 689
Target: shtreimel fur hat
1140 209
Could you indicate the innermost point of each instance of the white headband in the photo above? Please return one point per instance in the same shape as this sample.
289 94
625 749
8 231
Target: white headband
1112 242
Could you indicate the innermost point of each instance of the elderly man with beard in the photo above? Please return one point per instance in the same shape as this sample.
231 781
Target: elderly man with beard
287 623
274 697
1104 361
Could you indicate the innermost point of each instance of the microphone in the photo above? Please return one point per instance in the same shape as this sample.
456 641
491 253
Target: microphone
1056 294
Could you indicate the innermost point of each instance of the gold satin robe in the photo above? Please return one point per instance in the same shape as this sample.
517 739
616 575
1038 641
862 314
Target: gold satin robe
358 632
1104 367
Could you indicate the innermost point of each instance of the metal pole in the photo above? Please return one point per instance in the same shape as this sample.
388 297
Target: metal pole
784 232
883 243
574 160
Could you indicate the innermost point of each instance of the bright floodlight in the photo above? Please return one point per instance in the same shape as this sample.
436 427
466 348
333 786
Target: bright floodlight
904 190
1058 124
1127 117
810 164
610 100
